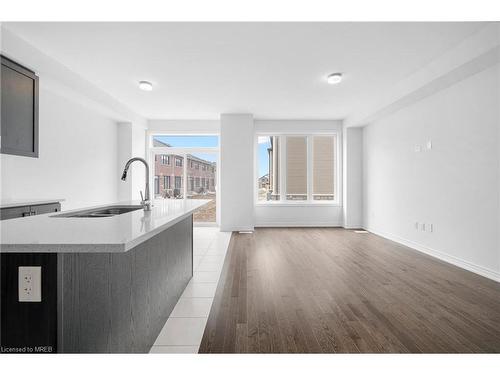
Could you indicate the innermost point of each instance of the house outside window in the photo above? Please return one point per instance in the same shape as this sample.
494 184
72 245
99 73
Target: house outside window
178 162
166 182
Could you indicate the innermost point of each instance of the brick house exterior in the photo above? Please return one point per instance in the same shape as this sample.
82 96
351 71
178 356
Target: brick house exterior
169 174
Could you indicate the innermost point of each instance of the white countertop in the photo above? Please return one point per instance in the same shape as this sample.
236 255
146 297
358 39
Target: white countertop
6 203
120 233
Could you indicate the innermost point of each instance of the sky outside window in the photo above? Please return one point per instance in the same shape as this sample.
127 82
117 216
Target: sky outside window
189 140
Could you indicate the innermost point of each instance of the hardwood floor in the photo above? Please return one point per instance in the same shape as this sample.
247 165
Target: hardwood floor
329 290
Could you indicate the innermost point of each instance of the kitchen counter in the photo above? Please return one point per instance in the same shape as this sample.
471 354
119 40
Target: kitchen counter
9 203
115 234
97 276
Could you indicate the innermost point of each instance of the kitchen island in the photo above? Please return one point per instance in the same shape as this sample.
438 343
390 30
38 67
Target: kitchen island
108 284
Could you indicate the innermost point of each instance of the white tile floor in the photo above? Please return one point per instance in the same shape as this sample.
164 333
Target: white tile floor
184 328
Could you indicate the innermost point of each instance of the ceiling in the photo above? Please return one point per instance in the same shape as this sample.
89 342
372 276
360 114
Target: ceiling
273 70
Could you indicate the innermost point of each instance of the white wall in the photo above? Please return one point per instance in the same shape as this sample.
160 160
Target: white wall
236 172
77 157
300 215
454 186
79 145
184 126
131 143
353 177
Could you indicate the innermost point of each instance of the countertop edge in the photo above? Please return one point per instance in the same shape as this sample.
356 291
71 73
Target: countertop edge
93 248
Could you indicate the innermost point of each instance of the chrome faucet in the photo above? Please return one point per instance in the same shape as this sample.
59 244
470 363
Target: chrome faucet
145 199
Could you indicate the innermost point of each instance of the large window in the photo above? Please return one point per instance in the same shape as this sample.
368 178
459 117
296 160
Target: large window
184 166
297 168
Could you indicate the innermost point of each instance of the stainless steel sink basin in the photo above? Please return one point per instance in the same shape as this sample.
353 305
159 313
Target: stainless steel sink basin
101 212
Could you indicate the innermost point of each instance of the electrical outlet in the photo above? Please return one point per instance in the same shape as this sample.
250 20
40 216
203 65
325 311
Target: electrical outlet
431 228
429 145
30 284
423 227
416 225
418 148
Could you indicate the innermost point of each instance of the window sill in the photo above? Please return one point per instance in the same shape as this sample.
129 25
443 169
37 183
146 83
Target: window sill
298 204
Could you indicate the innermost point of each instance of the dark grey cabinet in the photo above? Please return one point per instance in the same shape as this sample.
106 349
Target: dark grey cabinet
22 211
19 109
28 324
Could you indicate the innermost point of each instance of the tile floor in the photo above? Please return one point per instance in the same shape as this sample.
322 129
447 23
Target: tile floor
184 328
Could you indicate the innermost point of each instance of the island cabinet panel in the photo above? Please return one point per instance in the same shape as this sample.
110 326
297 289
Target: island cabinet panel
119 302
28 327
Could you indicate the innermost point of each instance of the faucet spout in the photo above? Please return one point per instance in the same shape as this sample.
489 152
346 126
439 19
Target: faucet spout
146 200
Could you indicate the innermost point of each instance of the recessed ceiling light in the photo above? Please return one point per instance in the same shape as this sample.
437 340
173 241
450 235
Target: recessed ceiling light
334 78
145 85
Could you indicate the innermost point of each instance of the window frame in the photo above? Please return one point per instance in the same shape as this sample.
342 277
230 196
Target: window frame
337 202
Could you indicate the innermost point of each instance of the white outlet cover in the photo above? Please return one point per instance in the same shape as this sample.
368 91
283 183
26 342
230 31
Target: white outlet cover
30 284
418 148
429 145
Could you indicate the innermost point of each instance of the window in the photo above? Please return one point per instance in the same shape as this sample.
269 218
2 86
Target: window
178 182
323 166
296 168
157 185
299 168
166 182
268 168
180 162
165 159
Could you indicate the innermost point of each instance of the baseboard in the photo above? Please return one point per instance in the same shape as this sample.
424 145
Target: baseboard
296 225
480 270
237 229
353 226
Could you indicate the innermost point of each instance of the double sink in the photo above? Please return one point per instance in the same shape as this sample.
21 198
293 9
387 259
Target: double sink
101 212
